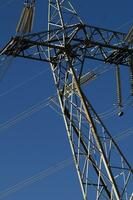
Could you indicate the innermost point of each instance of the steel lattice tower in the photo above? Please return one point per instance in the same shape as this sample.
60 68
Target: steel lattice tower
103 171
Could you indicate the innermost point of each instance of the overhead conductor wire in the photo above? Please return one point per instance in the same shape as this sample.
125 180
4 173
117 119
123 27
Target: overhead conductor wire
27 113
36 178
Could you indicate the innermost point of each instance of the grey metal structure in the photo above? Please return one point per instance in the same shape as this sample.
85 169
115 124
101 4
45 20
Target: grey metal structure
103 171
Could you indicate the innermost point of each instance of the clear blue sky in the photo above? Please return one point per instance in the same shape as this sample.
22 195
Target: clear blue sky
39 142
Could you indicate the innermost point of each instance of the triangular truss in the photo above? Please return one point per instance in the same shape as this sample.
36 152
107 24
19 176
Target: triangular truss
103 171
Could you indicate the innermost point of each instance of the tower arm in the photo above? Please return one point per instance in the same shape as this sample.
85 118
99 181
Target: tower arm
92 42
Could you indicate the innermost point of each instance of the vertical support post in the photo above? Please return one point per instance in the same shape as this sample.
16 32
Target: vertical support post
93 151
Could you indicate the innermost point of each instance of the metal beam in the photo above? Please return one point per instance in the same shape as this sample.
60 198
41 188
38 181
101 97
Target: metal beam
92 42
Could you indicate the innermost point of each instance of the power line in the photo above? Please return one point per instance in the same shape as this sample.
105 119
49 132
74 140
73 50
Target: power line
96 70
7 3
47 172
24 83
103 115
82 100
124 134
39 106
119 136
124 24
36 178
33 109
25 114
5 63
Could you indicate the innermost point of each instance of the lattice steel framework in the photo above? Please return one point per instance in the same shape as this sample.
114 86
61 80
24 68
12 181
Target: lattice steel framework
103 171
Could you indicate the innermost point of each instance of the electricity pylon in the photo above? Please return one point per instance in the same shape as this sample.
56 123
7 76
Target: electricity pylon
103 170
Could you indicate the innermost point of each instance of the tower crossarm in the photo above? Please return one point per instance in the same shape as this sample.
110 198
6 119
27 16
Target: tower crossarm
92 42
103 170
